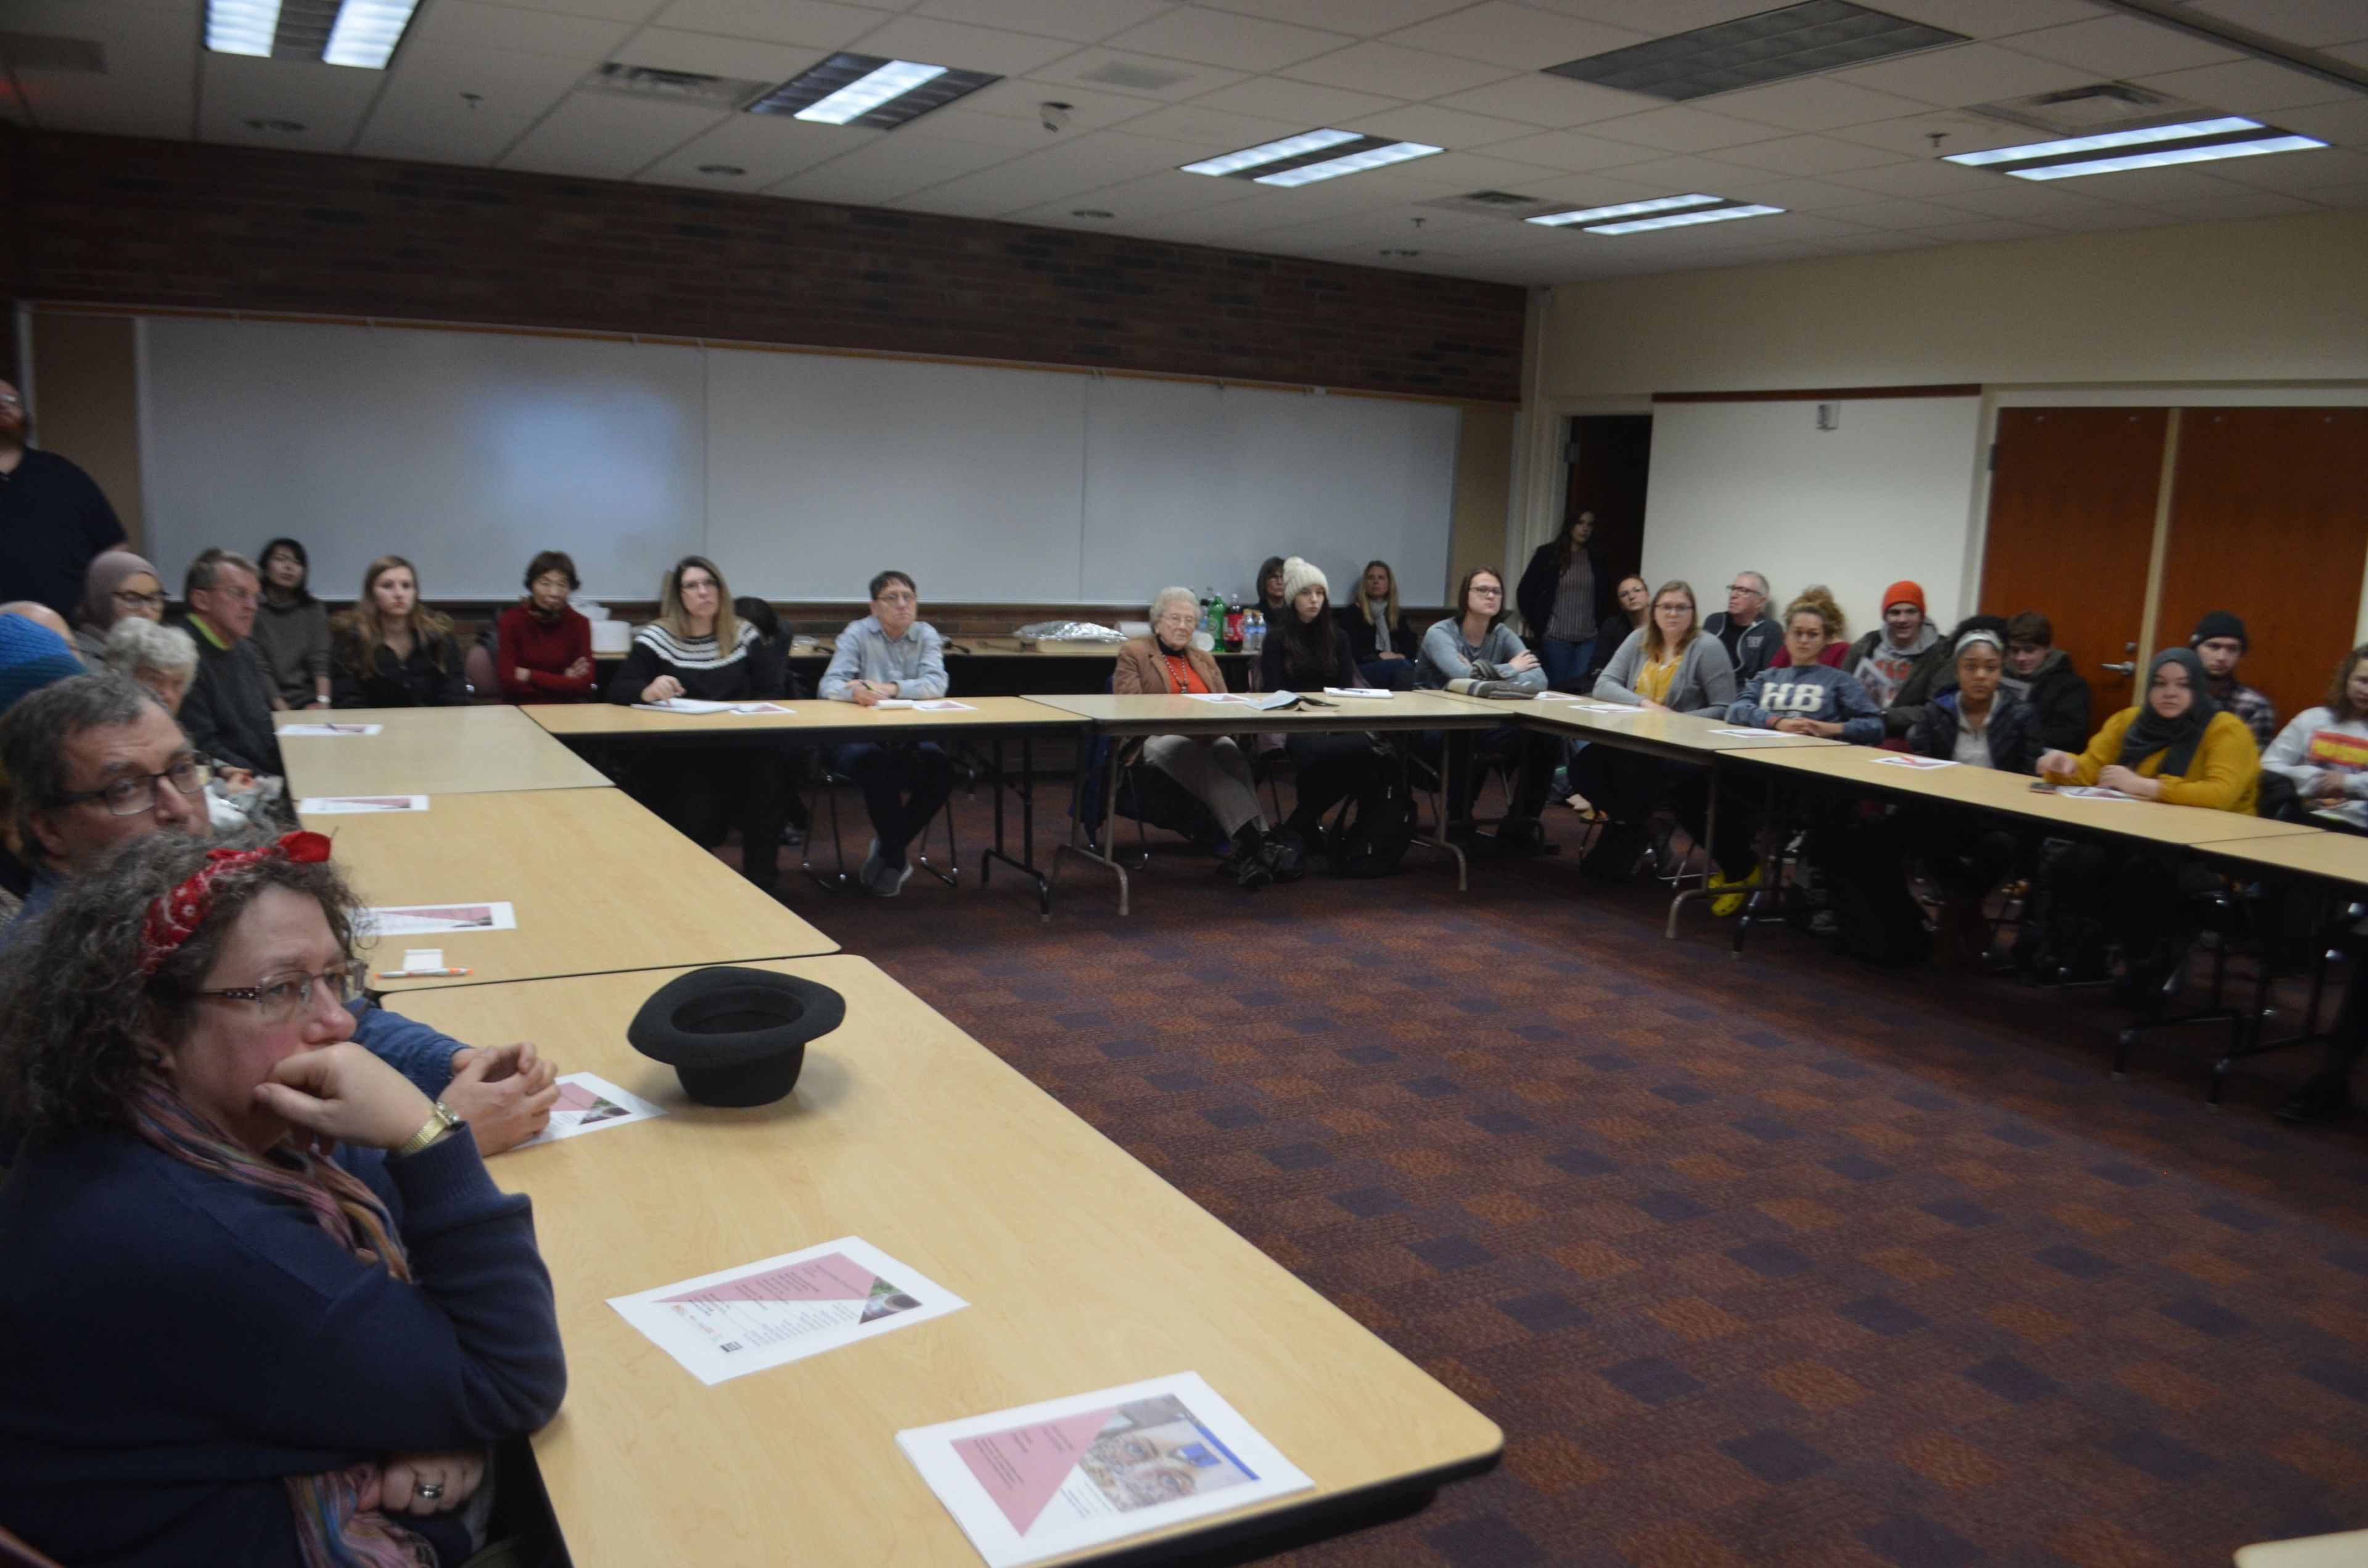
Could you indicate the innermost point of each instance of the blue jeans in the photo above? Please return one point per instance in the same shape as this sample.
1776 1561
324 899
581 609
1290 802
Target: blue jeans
1566 661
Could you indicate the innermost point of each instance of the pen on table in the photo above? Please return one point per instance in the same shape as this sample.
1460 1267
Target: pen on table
421 973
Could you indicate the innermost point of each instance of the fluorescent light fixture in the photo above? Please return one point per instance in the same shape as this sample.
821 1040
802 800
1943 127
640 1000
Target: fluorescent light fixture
1272 152
1625 210
1680 219
860 98
367 31
2097 143
242 26
868 90
2281 142
1354 162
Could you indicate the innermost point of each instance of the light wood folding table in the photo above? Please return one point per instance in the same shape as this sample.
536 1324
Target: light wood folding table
980 721
428 751
1083 1271
596 881
1133 717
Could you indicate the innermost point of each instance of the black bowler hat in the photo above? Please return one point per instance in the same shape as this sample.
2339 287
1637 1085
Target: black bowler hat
736 1037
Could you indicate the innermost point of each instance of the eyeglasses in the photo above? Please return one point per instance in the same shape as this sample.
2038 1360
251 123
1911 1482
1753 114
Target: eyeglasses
1487 593
285 997
236 596
10 400
140 601
1742 589
136 793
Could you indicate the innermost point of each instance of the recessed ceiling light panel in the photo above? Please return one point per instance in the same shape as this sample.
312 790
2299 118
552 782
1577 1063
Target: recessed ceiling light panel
1625 210
361 33
2152 147
1750 51
1683 219
867 90
1311 156
366 32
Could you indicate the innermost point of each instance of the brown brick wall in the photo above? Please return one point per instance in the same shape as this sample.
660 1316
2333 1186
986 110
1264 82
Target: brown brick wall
117 220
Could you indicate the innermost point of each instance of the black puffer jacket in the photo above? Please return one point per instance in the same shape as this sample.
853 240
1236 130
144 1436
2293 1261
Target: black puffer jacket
2012 731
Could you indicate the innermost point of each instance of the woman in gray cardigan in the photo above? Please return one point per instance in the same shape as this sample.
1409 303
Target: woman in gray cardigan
1671 664
1477 643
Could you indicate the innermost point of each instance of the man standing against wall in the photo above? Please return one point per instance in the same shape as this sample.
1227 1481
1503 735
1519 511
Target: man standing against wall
1750 634
54 517
2220 642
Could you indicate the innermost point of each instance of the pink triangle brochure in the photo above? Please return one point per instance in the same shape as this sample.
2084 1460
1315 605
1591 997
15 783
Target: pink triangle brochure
590 1103
1053 1478
763 1314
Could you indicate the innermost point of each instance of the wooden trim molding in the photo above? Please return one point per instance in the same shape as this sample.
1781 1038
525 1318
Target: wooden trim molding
1819 394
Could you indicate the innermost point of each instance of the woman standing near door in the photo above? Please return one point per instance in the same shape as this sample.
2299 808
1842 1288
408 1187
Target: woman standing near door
1565 599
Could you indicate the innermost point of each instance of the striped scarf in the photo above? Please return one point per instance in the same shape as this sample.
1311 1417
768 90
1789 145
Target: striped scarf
332 1528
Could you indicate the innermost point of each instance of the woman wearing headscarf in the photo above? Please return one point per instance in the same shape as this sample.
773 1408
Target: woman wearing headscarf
117 583
2179 747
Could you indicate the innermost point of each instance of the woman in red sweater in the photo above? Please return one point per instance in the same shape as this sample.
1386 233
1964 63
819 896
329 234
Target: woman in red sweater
545 647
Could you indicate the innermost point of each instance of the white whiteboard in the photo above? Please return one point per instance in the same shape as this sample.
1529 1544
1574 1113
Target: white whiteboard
800 474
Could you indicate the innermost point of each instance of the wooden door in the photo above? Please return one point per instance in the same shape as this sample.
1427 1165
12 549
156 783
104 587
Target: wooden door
2268 518
2071 531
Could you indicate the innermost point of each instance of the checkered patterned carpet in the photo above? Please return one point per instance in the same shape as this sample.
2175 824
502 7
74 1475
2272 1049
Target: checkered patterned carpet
1774 1262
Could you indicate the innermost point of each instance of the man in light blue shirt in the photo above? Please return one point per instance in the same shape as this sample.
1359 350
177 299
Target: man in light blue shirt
891 654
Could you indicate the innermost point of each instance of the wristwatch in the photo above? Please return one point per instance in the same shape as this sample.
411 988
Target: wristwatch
440 1121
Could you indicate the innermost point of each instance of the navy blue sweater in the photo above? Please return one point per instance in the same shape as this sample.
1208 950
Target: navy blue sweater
171 1344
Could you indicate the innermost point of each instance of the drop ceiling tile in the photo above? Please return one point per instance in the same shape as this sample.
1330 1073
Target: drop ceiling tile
428 81
2101 216
2346 124
964 46
438 134
1180 79
1799 194
2150 187
148 87
1978 229
1462 171
1021 97
1912 137
2314 24
1680 129
1924 178
807 24
2355 53
1658 17
1363 18
771 147
1688 174
1575 191
1442 127
1166 194
1081 21
1965 73
1814 103
1992 18
2113 48
2354 195
2020 199
664 48
328 101
608 135
1303 103
1808 155
1897 213
1090 165
1393 72
2247 86
1210 131
956 123
1881 239
465 24
1555 102
1516 37
887 167
633 11
2295 171
2236 204
1571 151
1225 38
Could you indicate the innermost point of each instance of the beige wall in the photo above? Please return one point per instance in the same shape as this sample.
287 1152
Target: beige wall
86 402
2266 299
1484 476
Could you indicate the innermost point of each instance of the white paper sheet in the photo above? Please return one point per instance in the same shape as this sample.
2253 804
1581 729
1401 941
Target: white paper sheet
1263 702
1761 735
326 729
1354 692
435 919
423 958
1046 1479
944 705
2092 793
1900 759
692 705
779 1310
344 805
590 1103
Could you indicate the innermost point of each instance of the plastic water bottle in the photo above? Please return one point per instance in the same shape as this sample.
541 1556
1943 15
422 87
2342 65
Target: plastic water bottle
1253 631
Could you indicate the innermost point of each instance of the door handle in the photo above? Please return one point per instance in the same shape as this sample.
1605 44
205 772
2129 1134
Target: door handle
2128 669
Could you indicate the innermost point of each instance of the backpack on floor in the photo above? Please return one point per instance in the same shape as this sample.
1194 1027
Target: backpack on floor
1373 835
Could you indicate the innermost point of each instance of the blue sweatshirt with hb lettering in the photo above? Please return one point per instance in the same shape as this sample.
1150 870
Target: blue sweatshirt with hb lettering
1818 692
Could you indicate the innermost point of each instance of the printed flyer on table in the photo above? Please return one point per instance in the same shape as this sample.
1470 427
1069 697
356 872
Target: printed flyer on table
768 1313
1052 1478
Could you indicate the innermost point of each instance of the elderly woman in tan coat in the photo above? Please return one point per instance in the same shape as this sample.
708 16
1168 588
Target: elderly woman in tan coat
1212 769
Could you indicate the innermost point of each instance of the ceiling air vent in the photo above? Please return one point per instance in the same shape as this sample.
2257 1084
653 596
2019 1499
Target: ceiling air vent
1141 78
1750 51
2081 111
680 86
39 51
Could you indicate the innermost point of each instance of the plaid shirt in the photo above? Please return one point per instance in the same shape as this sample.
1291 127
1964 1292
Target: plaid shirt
2253 708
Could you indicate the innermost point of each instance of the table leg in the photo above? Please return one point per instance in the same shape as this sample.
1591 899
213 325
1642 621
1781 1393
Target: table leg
1710 833
1079 845
1454 756
1026 788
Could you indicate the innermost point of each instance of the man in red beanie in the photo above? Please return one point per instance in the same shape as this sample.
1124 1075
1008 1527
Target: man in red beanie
1883 660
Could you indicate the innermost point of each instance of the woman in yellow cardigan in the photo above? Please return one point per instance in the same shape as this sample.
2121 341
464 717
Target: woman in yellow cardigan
2178 746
